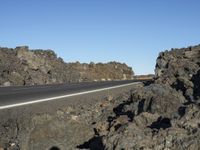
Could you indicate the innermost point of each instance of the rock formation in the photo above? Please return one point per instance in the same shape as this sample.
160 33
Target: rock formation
163 114
21 66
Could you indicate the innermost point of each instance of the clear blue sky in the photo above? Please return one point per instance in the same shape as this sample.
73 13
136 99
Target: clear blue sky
130 31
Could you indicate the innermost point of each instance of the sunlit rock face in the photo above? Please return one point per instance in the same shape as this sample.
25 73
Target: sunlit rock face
180 69
162 114
22 66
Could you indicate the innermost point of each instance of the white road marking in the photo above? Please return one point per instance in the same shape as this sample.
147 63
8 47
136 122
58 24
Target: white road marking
64 96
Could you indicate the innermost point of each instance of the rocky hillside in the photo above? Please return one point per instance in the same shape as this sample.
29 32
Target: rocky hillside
21 66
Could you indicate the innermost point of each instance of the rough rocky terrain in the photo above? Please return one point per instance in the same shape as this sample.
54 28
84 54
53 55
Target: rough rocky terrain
65 124
163 114
21 66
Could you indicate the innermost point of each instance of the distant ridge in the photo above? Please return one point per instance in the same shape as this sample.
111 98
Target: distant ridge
22 66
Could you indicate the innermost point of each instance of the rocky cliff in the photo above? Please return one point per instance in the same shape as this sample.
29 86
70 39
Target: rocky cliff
21 66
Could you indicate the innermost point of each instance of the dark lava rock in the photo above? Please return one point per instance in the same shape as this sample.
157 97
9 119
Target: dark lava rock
22 66
158 98
161 115
180 68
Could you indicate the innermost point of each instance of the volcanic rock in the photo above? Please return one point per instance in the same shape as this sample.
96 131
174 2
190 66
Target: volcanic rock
160 115
22 66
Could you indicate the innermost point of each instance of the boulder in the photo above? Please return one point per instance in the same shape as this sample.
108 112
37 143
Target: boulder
163 114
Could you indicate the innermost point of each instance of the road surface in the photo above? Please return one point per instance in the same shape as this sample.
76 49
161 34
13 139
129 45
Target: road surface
24 95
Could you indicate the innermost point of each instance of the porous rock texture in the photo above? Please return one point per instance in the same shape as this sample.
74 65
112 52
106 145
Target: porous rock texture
58 125
21 66
160 115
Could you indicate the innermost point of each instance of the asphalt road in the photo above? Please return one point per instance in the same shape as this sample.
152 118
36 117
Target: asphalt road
23 95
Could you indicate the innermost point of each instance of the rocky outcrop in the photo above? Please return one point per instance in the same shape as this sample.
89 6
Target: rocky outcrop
179 69
160 115
102 72
163 114
21 66
66 124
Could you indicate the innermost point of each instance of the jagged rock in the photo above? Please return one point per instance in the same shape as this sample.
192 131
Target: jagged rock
163 114
180 68
158 98
21 66
160 115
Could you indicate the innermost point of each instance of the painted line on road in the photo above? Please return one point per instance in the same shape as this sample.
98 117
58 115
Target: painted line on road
64 96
